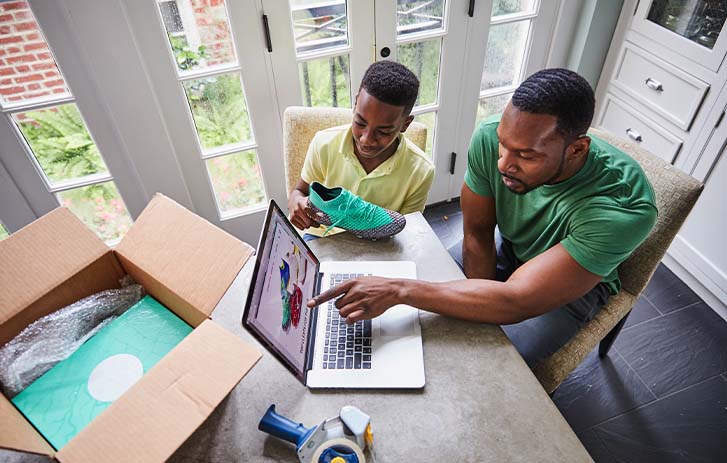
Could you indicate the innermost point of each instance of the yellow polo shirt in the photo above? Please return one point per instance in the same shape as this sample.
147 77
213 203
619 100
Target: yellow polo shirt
401 183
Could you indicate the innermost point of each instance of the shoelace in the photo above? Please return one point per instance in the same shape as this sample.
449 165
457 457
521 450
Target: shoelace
362 208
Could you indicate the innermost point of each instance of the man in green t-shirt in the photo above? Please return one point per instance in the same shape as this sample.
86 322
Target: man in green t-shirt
549 213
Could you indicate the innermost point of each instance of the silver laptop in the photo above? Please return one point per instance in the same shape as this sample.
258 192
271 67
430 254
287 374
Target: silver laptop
316 344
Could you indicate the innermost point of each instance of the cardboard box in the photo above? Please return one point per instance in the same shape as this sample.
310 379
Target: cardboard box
184 262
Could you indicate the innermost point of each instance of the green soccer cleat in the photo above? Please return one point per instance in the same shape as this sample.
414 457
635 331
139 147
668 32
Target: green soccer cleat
338 207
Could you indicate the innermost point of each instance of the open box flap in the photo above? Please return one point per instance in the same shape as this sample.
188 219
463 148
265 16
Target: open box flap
17 434
153 418
183 252
38 259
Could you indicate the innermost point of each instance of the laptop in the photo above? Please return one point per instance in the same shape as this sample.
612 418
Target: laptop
316 344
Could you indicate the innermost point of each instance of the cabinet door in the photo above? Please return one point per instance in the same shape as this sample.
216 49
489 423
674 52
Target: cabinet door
692 28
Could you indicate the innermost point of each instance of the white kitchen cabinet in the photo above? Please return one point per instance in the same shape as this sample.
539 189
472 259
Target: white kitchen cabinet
664 86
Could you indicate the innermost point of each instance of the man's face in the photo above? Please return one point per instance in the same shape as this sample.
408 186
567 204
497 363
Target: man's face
376 125
531 152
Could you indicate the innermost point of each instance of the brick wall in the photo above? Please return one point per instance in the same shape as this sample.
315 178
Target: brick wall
214 33
27 69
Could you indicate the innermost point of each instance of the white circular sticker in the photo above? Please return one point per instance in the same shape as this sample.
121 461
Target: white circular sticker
113 376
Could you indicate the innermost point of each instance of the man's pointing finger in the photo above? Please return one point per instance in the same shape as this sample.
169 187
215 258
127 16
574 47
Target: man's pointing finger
330 294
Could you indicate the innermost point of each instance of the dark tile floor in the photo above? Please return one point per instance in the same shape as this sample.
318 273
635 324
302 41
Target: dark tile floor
661 394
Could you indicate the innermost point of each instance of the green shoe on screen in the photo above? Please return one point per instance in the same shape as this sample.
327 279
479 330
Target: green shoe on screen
338 207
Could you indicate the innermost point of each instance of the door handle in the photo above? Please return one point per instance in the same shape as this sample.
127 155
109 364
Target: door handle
654 84
634 135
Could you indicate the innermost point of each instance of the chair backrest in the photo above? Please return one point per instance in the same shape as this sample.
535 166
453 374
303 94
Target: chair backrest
676 193
302 123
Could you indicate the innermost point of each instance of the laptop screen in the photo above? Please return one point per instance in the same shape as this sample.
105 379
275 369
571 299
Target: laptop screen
283 281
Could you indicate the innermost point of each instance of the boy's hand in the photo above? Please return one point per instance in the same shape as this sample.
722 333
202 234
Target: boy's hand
297 206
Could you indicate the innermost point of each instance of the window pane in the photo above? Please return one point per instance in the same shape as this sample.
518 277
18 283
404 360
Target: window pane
318 25
199 33
219 110
236 181
700 22
61 143
27 68
414 16
501 7
3 232
100 207
326 82
492 105
429 119
505 55
423 60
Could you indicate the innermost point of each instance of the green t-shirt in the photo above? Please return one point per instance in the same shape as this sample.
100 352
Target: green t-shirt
600 215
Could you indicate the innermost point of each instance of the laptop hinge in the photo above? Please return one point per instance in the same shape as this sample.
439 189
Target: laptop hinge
313 323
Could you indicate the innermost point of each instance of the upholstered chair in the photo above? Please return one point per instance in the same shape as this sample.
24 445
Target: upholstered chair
676 193
302 123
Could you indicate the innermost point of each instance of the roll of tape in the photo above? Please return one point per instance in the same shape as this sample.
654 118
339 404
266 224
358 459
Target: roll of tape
343 443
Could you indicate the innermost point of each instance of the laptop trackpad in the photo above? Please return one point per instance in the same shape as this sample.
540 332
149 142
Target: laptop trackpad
397 321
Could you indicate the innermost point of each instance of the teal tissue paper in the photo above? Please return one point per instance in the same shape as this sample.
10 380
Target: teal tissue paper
71 394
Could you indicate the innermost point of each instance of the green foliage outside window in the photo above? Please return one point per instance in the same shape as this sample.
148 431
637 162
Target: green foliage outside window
61 143
65 151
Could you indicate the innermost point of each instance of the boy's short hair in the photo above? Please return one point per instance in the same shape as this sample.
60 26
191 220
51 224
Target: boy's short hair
391 83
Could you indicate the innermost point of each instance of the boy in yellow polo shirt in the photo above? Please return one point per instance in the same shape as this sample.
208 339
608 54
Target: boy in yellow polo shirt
371 157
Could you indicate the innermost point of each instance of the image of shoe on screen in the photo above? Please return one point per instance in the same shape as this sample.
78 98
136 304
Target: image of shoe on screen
549 212
371 157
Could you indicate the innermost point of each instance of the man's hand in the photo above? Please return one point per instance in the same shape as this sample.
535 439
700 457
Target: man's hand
297 205
362 298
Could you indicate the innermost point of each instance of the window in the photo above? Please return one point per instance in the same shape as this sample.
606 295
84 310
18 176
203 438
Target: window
209 73
505 58
41 108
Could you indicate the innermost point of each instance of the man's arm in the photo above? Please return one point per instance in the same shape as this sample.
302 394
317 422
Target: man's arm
548 281
297 201
478 245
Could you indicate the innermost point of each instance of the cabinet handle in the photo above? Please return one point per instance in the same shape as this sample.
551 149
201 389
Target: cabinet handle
654 84
634 135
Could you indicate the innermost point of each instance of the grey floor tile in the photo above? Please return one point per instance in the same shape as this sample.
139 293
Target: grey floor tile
689 426
667 292
676 350
448 231
441 229
642 311
598 451
438 211
600 389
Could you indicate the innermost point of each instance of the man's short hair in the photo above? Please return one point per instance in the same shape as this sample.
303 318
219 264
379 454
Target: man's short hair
391 83
561 93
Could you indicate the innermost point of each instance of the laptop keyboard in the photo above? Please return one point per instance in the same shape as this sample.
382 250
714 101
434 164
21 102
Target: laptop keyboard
348 347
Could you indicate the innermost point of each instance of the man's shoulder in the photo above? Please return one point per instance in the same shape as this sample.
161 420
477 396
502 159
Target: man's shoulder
487 129
619 166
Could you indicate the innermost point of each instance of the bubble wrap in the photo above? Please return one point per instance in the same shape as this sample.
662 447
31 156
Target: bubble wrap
50 339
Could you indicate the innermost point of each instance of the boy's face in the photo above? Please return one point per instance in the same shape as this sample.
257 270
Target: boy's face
376 125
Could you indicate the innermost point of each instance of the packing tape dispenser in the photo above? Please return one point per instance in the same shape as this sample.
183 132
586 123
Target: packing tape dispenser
341 439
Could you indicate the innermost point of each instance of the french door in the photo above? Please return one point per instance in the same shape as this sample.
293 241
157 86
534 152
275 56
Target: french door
185 97
320 50
57 146
207 66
